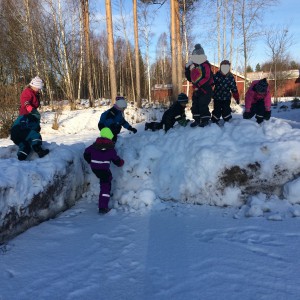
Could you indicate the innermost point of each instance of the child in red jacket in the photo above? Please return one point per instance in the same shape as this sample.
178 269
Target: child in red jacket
258 101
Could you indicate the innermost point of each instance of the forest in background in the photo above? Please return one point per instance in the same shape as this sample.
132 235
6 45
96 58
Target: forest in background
65 44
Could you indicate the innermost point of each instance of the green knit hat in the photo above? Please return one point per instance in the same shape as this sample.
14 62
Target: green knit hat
106 133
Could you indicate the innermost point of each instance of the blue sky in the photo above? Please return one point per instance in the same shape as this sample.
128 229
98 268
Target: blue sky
285 14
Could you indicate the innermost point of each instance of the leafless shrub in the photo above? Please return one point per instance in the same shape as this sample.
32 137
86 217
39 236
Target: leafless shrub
9 103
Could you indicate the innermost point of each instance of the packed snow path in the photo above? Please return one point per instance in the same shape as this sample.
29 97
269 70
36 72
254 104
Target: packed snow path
181 252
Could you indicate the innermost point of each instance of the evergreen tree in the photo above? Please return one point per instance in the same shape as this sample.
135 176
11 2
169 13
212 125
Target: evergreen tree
258 68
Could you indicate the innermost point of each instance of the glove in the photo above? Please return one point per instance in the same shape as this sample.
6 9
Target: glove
247 115
183 122
34 115
267 115
121 163
133 130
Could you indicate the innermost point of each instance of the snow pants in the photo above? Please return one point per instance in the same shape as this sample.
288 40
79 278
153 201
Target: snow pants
258 110
27 140
221 108
200 101
105 177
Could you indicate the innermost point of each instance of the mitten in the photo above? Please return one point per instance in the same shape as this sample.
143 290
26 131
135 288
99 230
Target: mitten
267 115
183 122
133 129
237 101
121 163
34 115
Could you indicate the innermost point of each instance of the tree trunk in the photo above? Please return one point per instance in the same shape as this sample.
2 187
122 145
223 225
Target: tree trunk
137 57
86 26
173 52
179 49
110 46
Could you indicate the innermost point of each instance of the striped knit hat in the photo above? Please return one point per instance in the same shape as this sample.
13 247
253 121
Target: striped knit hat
37 82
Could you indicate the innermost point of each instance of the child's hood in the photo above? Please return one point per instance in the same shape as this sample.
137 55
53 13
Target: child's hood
103 144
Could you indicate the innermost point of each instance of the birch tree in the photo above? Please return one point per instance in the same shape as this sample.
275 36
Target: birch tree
278 42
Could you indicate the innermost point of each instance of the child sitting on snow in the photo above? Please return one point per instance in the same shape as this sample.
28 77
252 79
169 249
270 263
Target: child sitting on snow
99 155
175 113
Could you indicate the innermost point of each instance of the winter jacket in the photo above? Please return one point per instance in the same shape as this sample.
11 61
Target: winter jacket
200 75
175 113
253 97
224 86
29 100
101 153
114 119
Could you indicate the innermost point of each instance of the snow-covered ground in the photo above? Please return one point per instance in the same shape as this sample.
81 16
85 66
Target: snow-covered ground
157 243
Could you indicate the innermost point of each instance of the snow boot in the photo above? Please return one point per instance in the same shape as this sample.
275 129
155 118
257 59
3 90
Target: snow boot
40 151
43 152
104 210
203 123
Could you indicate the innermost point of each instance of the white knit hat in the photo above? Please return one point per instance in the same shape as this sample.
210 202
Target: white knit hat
121 102
37 82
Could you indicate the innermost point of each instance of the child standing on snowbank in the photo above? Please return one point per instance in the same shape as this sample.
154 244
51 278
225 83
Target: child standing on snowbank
225 85
99 155
176 113
198 71
258 101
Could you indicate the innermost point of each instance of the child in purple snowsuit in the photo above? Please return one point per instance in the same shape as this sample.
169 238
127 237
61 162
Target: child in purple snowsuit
99 155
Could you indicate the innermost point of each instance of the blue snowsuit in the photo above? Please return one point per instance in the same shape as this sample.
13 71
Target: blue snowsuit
113 119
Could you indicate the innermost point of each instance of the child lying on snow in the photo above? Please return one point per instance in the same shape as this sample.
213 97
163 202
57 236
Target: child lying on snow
99 155
175 113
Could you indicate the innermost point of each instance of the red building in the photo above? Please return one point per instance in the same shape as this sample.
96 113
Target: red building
287 82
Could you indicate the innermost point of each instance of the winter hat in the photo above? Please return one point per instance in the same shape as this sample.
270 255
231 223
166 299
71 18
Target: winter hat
183 98
198 57
261 86
225 66
198 50
121 102
37 82
106 133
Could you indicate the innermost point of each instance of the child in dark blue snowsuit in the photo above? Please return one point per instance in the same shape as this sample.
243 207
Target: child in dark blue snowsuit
176 113
114 119
225 85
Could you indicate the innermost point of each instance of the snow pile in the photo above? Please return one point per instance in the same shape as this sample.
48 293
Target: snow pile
36 189
215 165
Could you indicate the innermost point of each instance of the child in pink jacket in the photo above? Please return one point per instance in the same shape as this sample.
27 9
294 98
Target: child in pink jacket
258 101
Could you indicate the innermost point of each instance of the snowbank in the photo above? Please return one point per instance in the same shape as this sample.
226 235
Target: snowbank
34 190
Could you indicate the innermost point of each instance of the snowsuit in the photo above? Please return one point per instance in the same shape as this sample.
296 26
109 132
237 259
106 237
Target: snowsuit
114 119
224 86
25 131
176 113
202 79
99 155
257 104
